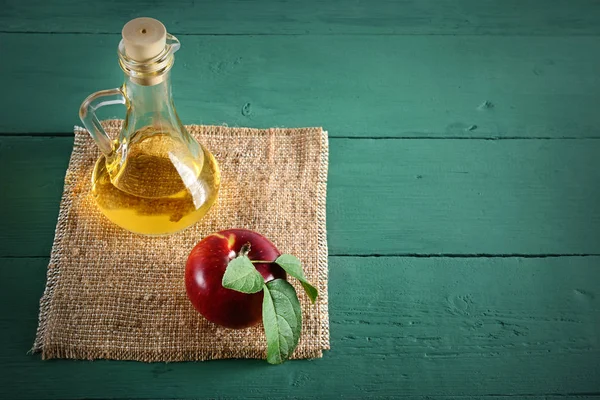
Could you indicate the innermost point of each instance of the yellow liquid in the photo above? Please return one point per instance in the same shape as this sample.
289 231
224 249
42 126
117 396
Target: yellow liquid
159 188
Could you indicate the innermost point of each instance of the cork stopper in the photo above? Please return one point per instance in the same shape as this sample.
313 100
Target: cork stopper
144 38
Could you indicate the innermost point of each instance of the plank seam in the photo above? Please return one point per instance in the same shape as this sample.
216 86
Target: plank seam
403 255
487 34
449 397
468 255
491 138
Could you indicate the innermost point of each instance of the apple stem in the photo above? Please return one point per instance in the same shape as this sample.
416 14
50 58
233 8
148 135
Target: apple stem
261 262
245 249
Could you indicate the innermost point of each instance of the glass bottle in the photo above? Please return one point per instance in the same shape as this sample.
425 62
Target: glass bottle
154 178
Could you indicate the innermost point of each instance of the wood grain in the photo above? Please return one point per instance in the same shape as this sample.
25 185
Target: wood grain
384 17
488 326
401 327
389 197
354 86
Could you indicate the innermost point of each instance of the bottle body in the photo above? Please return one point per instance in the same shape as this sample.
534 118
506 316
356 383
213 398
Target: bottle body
147 194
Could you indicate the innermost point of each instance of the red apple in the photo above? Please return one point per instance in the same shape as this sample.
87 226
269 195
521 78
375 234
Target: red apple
204 271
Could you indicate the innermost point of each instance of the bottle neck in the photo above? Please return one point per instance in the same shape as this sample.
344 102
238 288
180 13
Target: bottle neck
150 105
144 96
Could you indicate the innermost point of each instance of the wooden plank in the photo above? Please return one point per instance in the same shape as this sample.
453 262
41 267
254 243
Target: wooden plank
464 196
400 327
384 196
34 172
359 86
386 17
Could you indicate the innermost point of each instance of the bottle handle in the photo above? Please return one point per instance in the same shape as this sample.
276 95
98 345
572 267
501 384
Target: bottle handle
87 114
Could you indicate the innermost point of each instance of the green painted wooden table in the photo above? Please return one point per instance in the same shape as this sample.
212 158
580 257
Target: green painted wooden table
464 188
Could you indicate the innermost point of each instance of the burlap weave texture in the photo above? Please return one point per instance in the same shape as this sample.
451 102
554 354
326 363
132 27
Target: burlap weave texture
117 295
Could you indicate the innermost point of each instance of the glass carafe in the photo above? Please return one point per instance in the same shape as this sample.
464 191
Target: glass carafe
154 178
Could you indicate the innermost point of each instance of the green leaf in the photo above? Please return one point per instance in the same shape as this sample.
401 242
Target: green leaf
292 266
282 319
241 276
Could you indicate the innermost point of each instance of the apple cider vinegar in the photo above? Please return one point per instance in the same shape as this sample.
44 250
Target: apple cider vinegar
151 189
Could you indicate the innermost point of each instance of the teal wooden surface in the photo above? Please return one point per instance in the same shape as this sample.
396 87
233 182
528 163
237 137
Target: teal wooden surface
463 205
356 86
401 327
382 17
385 197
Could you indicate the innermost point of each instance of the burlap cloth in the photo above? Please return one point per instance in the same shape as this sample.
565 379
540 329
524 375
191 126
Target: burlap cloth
117 295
